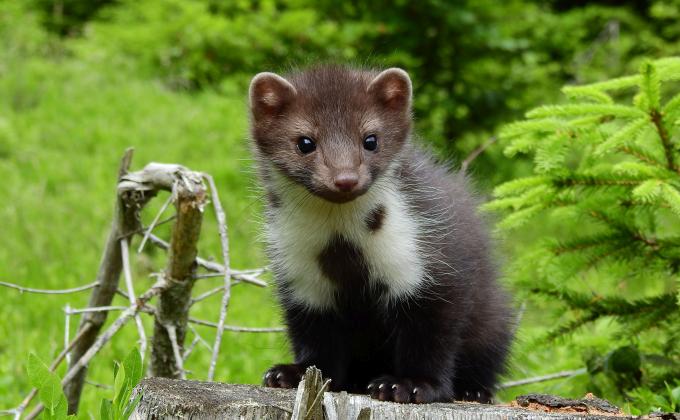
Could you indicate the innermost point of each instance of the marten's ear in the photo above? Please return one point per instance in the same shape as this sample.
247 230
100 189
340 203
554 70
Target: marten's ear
392 88
269 95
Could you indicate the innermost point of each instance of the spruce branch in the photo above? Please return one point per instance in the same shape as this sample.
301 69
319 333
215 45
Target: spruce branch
606 179
665 139
592 181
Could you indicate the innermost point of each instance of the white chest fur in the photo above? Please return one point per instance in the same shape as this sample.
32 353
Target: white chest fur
304 224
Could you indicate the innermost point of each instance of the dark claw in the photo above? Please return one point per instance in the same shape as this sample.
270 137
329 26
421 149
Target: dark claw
283 376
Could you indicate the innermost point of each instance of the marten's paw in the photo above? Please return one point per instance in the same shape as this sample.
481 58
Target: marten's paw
283 376
402 390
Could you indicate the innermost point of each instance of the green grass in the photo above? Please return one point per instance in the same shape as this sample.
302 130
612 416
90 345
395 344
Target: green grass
67 113
64 124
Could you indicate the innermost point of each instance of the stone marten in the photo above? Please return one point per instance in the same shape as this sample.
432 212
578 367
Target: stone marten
384 270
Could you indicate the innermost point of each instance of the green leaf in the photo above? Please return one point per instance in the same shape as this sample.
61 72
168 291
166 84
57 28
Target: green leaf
519 185
632 170
651 85
622 111
675 395
625 135
119 384
106 410
672 197
133 367
520 217
547 125
49 387
37 371
672 106
616 84
648 191
130 407
524 144
587 92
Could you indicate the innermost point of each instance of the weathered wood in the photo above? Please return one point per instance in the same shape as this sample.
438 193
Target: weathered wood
172 312
126 219
177 399
164 398
309 396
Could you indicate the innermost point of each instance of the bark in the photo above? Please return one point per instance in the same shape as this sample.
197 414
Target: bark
175 301
178 399
125 220
134 190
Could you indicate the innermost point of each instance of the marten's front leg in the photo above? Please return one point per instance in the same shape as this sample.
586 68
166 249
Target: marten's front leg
318 340
424 357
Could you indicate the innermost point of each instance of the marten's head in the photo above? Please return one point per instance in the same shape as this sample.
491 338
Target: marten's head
331 129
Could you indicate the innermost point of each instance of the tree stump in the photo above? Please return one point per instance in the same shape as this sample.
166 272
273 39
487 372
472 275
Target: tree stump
177 399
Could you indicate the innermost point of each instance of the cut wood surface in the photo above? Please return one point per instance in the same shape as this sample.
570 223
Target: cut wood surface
177 399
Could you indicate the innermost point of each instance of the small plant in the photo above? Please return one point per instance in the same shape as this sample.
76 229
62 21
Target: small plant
646 401
125 377
606 194
49 389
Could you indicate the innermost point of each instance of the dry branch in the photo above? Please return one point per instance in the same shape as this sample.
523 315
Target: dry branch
224 240
174 284
125 253
236 328
154 223
543 378
177 353
173 306
48 291
248 276
475 153
126 219
79 366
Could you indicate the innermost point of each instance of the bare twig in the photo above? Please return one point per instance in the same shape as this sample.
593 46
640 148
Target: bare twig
127 274
53 366
199 337
236 328
207 294
478 151
71 311
153 223
190 348
224 239
48 291
67 329
143 229
125 219
215 267
179 361
543 378
104 338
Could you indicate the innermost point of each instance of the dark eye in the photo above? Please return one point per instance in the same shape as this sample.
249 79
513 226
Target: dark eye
306 145
370 143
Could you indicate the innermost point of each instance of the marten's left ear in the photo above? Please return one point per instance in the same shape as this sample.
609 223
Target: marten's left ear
392 88
269 95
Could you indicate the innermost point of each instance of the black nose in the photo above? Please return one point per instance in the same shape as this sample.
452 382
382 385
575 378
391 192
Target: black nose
346 182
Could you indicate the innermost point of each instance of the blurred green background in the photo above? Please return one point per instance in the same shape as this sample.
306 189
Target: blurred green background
81 80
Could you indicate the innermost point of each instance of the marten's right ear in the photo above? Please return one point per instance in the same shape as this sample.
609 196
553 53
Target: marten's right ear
269 95
392 89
